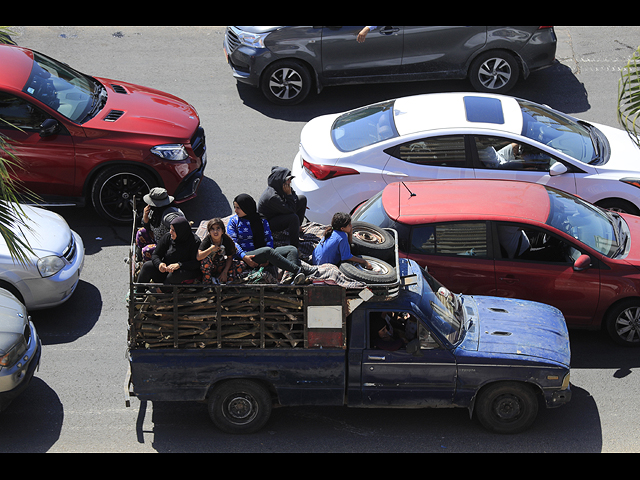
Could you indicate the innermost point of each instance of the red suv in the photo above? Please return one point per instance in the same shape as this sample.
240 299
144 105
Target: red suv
103 141
520 240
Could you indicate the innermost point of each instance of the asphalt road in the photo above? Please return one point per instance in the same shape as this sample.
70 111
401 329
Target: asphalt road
76 401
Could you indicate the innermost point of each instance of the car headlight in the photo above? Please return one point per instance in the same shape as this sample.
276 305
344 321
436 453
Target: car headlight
255 40
51 265
174 152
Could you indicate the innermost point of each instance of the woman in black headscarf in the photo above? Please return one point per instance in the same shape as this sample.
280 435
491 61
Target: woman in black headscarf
174 260
254 242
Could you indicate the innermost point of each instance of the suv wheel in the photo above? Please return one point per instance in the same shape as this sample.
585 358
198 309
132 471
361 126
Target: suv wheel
113 191
494 72
286 82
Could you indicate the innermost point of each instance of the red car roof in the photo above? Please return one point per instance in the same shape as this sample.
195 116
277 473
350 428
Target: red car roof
16 64
442 200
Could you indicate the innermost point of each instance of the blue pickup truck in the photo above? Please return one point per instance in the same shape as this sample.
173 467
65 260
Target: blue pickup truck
246 348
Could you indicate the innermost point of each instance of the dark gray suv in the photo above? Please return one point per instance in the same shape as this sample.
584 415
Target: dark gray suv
285 62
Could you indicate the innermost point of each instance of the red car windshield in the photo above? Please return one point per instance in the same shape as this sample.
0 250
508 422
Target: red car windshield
585 222
70 93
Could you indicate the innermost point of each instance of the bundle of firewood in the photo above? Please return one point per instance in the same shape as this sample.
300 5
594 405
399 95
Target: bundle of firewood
201 317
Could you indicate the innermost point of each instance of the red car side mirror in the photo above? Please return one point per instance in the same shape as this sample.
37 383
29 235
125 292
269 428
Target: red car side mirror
582 263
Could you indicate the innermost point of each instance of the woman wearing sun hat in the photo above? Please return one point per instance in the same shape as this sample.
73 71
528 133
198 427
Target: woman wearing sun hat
159 206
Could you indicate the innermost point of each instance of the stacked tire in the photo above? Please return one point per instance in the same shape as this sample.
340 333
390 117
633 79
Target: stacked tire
375 245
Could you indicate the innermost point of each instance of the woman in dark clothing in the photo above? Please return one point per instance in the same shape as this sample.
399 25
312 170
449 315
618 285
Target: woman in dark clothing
254 242
155 221
174 260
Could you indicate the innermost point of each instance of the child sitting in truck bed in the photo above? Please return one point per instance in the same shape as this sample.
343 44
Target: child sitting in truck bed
335 246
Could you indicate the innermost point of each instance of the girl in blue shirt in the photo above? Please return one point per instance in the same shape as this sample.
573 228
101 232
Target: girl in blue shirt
254 241
335 246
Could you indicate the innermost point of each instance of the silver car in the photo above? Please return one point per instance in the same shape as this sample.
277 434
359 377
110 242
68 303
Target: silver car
52 275
20 348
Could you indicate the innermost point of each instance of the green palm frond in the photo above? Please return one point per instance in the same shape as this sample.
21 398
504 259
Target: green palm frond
5 35
12 216
629 97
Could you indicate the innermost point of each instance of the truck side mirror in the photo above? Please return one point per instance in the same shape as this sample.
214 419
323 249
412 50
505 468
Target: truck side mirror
413 347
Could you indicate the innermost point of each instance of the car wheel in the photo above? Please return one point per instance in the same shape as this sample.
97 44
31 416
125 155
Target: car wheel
494 72
507 407
381 272
286 83
240 406
369 239
623 323
619 205
113 191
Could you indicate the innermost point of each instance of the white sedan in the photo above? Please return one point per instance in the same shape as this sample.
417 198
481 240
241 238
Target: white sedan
346 158
52 274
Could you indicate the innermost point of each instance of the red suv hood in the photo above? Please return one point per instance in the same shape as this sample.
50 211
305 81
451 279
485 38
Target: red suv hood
146 111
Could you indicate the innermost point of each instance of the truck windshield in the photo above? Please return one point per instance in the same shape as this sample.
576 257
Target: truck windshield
443 308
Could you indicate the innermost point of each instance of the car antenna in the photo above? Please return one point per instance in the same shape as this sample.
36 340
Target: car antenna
412 194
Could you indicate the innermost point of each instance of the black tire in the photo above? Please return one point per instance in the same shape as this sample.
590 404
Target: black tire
619 205
369 239
240 406
286 83
507 407
113 190
494 72
623 323
382 272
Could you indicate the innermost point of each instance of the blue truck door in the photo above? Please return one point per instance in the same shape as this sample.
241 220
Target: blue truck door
400 378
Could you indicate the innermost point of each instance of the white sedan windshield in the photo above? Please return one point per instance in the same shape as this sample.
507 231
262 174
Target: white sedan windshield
557 131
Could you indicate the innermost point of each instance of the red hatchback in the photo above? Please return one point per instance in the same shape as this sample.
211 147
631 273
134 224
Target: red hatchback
103 141
520 240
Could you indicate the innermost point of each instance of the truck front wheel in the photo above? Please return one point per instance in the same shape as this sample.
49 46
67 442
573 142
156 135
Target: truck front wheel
240 406
507 407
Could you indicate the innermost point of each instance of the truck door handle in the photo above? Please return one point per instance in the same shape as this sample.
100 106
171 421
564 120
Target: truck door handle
376 357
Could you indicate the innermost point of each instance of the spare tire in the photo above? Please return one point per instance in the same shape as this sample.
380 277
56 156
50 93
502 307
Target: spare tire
382 272
369 239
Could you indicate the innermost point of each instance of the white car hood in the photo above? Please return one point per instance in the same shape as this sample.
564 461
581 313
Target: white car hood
625 155
48 232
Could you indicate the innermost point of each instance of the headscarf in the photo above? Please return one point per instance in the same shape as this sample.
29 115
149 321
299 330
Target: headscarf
184 236
248 205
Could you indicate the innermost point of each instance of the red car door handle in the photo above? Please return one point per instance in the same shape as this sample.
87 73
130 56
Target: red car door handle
509 279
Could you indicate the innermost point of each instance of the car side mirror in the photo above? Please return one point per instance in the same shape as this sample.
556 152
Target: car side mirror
49 127
558 168
582 263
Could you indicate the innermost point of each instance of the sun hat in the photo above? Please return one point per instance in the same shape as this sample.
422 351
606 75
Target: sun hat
158 197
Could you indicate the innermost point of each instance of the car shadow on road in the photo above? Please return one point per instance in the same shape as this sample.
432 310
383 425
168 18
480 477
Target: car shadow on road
555 86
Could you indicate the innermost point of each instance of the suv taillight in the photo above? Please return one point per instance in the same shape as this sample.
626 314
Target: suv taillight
327 172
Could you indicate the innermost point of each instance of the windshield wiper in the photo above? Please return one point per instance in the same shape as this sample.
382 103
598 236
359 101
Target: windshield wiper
99 101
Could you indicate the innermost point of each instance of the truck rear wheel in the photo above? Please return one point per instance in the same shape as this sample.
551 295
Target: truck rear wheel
507 407
240 406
